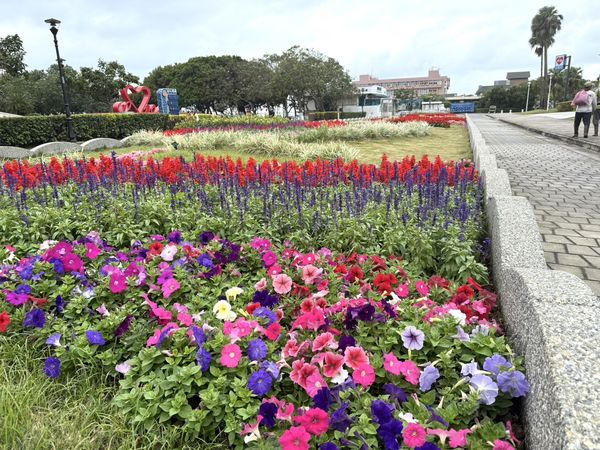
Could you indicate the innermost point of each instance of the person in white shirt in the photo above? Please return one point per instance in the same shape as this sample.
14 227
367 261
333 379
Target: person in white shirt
584 112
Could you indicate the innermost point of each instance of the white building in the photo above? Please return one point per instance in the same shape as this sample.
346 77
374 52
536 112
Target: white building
373 100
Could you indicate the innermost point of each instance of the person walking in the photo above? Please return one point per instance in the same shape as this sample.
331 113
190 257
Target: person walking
585 102
596 113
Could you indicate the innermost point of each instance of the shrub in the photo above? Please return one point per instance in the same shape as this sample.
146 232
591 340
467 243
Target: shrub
210 120
34 130
332 115
564 106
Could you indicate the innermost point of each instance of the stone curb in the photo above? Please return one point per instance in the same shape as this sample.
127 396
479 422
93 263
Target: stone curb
52 148
552 318
569 140
98 143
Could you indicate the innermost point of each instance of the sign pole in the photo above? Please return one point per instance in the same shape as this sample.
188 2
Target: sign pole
568 58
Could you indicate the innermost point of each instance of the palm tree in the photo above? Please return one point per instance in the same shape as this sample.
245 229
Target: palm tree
544 26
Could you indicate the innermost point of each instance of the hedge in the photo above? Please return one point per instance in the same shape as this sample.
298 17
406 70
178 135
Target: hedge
30 131
332 115
564 106
212 120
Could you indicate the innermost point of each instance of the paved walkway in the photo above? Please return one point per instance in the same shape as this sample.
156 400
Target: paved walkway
562 182
555 125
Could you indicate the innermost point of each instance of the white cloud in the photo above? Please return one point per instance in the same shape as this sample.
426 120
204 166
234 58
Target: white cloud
471 41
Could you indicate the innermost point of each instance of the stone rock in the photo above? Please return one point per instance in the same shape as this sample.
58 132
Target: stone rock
53 148
8 152
98 143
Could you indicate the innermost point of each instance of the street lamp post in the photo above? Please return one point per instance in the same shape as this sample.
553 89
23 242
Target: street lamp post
549 89
527 103
63 83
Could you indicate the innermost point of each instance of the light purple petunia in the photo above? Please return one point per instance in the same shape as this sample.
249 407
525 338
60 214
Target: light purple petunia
485 387
413 338
513 383
95 337
54 340
429 376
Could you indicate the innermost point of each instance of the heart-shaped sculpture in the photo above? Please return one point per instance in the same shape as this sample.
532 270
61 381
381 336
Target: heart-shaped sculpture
128 105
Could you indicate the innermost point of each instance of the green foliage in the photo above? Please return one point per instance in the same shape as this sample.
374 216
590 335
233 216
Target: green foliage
332 115
514 98
11 55
34 130
212 120
564 106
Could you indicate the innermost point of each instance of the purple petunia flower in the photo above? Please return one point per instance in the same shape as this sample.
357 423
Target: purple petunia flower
54 340
52 367
461 335
494 363
199 335
267 410
271 369
397 393
23 289
429 376
485 387
265 299
266 313
328 446
428 446
95 337
60 304
175 237
206 237
513 383
382 412
346 341
340 420
413 338
389 433
260 382
35 318
124 326
203 358
257 350
469 369
206 261
323 399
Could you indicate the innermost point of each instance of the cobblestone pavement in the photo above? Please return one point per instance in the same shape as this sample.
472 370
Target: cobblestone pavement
562 182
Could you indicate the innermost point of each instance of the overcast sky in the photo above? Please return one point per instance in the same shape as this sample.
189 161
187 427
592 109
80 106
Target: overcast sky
472 42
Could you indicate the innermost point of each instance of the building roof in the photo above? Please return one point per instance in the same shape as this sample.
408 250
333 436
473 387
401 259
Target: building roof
517 75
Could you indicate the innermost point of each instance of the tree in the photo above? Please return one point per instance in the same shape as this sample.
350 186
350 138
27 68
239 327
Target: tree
514 98
560 90
11 55
305 75
544 26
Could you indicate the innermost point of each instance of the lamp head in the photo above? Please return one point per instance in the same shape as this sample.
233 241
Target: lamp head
54 23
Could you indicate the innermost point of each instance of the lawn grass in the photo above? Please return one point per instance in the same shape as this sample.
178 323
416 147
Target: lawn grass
74 413
450 143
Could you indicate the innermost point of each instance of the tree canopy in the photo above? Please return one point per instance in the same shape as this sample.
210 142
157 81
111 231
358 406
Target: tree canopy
11 55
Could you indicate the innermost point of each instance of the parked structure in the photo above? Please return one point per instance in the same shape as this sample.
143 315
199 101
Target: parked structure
512 79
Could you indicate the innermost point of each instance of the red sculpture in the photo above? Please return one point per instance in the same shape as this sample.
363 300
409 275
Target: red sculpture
128 105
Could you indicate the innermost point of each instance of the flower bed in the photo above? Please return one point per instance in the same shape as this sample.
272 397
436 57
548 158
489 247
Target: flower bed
435 120
306 349
427 212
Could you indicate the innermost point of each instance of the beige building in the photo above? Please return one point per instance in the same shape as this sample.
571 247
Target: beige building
433 83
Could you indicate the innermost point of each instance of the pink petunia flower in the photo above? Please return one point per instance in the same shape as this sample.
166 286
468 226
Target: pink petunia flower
332 364
269 258
410 371
282 283
169 252
323 341
314 384
309 258
422 288
118 282
91 251
285 411
185 319
170 286
231 355
364 375
414 435
502 445
296 438
355 357
391 363
274 270
251 431
402 291
102 310
310 273
315 421
261 285
458 438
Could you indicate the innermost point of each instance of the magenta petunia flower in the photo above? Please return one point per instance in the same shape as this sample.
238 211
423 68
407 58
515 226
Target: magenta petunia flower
364 375
91 251
315 421
231 355
118 282
295 438
391 363
170 286
414 435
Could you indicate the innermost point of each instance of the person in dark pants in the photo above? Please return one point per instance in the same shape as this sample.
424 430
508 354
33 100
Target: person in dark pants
584 111
596 117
